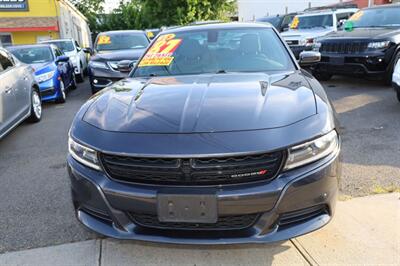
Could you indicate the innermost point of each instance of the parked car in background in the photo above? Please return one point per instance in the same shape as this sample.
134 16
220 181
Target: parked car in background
368 47
19 93
75 53
306 28
396 79
217 137
280 22
53 70
115 54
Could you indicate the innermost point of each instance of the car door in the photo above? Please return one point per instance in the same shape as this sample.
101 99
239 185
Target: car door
22 86
8 108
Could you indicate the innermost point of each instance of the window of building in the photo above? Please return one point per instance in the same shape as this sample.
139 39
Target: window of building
5 39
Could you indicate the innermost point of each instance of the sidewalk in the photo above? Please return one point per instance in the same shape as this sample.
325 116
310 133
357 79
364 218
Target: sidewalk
364 231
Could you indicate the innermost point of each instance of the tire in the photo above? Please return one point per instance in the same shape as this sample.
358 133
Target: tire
389 76
81 76
36 107
322 76
63 96
73 83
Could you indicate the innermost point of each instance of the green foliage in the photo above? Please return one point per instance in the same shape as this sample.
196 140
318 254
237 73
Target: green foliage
142 14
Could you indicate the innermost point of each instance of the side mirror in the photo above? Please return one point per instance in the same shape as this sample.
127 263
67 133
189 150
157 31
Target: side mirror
308 58
62 58
88 50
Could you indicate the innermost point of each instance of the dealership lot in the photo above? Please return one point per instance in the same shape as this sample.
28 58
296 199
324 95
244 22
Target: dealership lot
34 187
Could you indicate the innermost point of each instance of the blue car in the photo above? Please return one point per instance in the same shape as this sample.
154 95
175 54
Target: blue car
53 70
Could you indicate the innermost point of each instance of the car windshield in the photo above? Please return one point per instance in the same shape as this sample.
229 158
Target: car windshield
315 21
275 21
121 41
33 55
215 51
65 46
376 17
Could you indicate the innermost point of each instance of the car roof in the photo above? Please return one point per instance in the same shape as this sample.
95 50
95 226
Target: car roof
327 12
121 31
29 46
218 26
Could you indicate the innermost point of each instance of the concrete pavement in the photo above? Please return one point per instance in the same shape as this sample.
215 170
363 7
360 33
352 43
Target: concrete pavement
364 231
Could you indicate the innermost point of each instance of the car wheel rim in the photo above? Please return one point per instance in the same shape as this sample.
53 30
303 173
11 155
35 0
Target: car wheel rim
36 104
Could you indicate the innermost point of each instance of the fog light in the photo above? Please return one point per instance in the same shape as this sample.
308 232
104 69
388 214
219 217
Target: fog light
95 81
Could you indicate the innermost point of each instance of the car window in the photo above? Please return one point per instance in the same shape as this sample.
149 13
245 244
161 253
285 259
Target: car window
213 51
33 55
58 52
376 17
341 16
65 46
121 41
6 60
314 21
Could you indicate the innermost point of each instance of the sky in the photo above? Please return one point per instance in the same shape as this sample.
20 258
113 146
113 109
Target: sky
110 5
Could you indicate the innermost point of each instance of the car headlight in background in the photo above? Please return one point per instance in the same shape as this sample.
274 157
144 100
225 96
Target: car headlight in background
379 45
317 46
95 64
307 42
312 151
45 77
82 154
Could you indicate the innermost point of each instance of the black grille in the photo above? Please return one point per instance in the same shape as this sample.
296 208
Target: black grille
343 47
233 222
300 216
196 171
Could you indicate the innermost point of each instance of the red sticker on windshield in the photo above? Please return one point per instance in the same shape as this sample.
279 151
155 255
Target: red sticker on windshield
161 52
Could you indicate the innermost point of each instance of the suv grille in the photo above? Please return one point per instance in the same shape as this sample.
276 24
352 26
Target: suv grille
196 171
233 222
343 47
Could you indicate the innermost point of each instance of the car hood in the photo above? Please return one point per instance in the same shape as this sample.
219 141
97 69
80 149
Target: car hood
203 103
41 68
305 33
367 33
132 54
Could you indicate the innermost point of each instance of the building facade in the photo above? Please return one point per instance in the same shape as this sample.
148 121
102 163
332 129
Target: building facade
32 21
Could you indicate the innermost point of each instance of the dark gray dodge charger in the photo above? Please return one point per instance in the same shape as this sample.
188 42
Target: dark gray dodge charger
217 137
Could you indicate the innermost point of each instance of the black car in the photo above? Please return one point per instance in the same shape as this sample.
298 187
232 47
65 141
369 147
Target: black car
280 22
368 47
216 137
114 56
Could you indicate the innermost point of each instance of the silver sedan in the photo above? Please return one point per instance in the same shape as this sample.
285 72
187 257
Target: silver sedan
19 93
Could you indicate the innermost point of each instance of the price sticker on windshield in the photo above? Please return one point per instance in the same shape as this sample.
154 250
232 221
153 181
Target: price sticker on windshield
161 52
104 39
295 23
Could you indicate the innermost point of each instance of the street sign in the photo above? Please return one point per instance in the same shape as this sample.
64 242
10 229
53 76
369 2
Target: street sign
13 5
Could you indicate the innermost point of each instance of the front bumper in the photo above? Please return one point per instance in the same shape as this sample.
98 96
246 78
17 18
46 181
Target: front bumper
372 65
297 49
101 78
49 90
103 205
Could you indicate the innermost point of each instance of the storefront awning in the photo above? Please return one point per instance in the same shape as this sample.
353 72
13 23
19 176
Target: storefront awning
14 24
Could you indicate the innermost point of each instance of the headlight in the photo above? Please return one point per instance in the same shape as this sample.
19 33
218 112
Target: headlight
378 45
307 42
312 151
317 46
94 64
113 65
82 154
44 77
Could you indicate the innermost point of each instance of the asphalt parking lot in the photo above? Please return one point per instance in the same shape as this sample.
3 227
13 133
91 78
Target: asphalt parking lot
35 201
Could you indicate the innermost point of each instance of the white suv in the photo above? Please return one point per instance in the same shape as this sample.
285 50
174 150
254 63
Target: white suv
307 27
78 57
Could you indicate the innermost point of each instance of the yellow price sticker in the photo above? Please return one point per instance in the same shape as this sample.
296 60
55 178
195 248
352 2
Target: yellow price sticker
295 23
356 16
104 39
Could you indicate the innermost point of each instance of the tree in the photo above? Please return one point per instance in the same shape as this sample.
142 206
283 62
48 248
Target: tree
180 12
91 9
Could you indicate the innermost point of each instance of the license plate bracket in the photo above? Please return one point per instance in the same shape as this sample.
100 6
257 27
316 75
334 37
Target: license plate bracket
187 208
337 60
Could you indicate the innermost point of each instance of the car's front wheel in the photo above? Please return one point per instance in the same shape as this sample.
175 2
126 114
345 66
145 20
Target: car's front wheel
36 106
63 95
80 78
73 82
